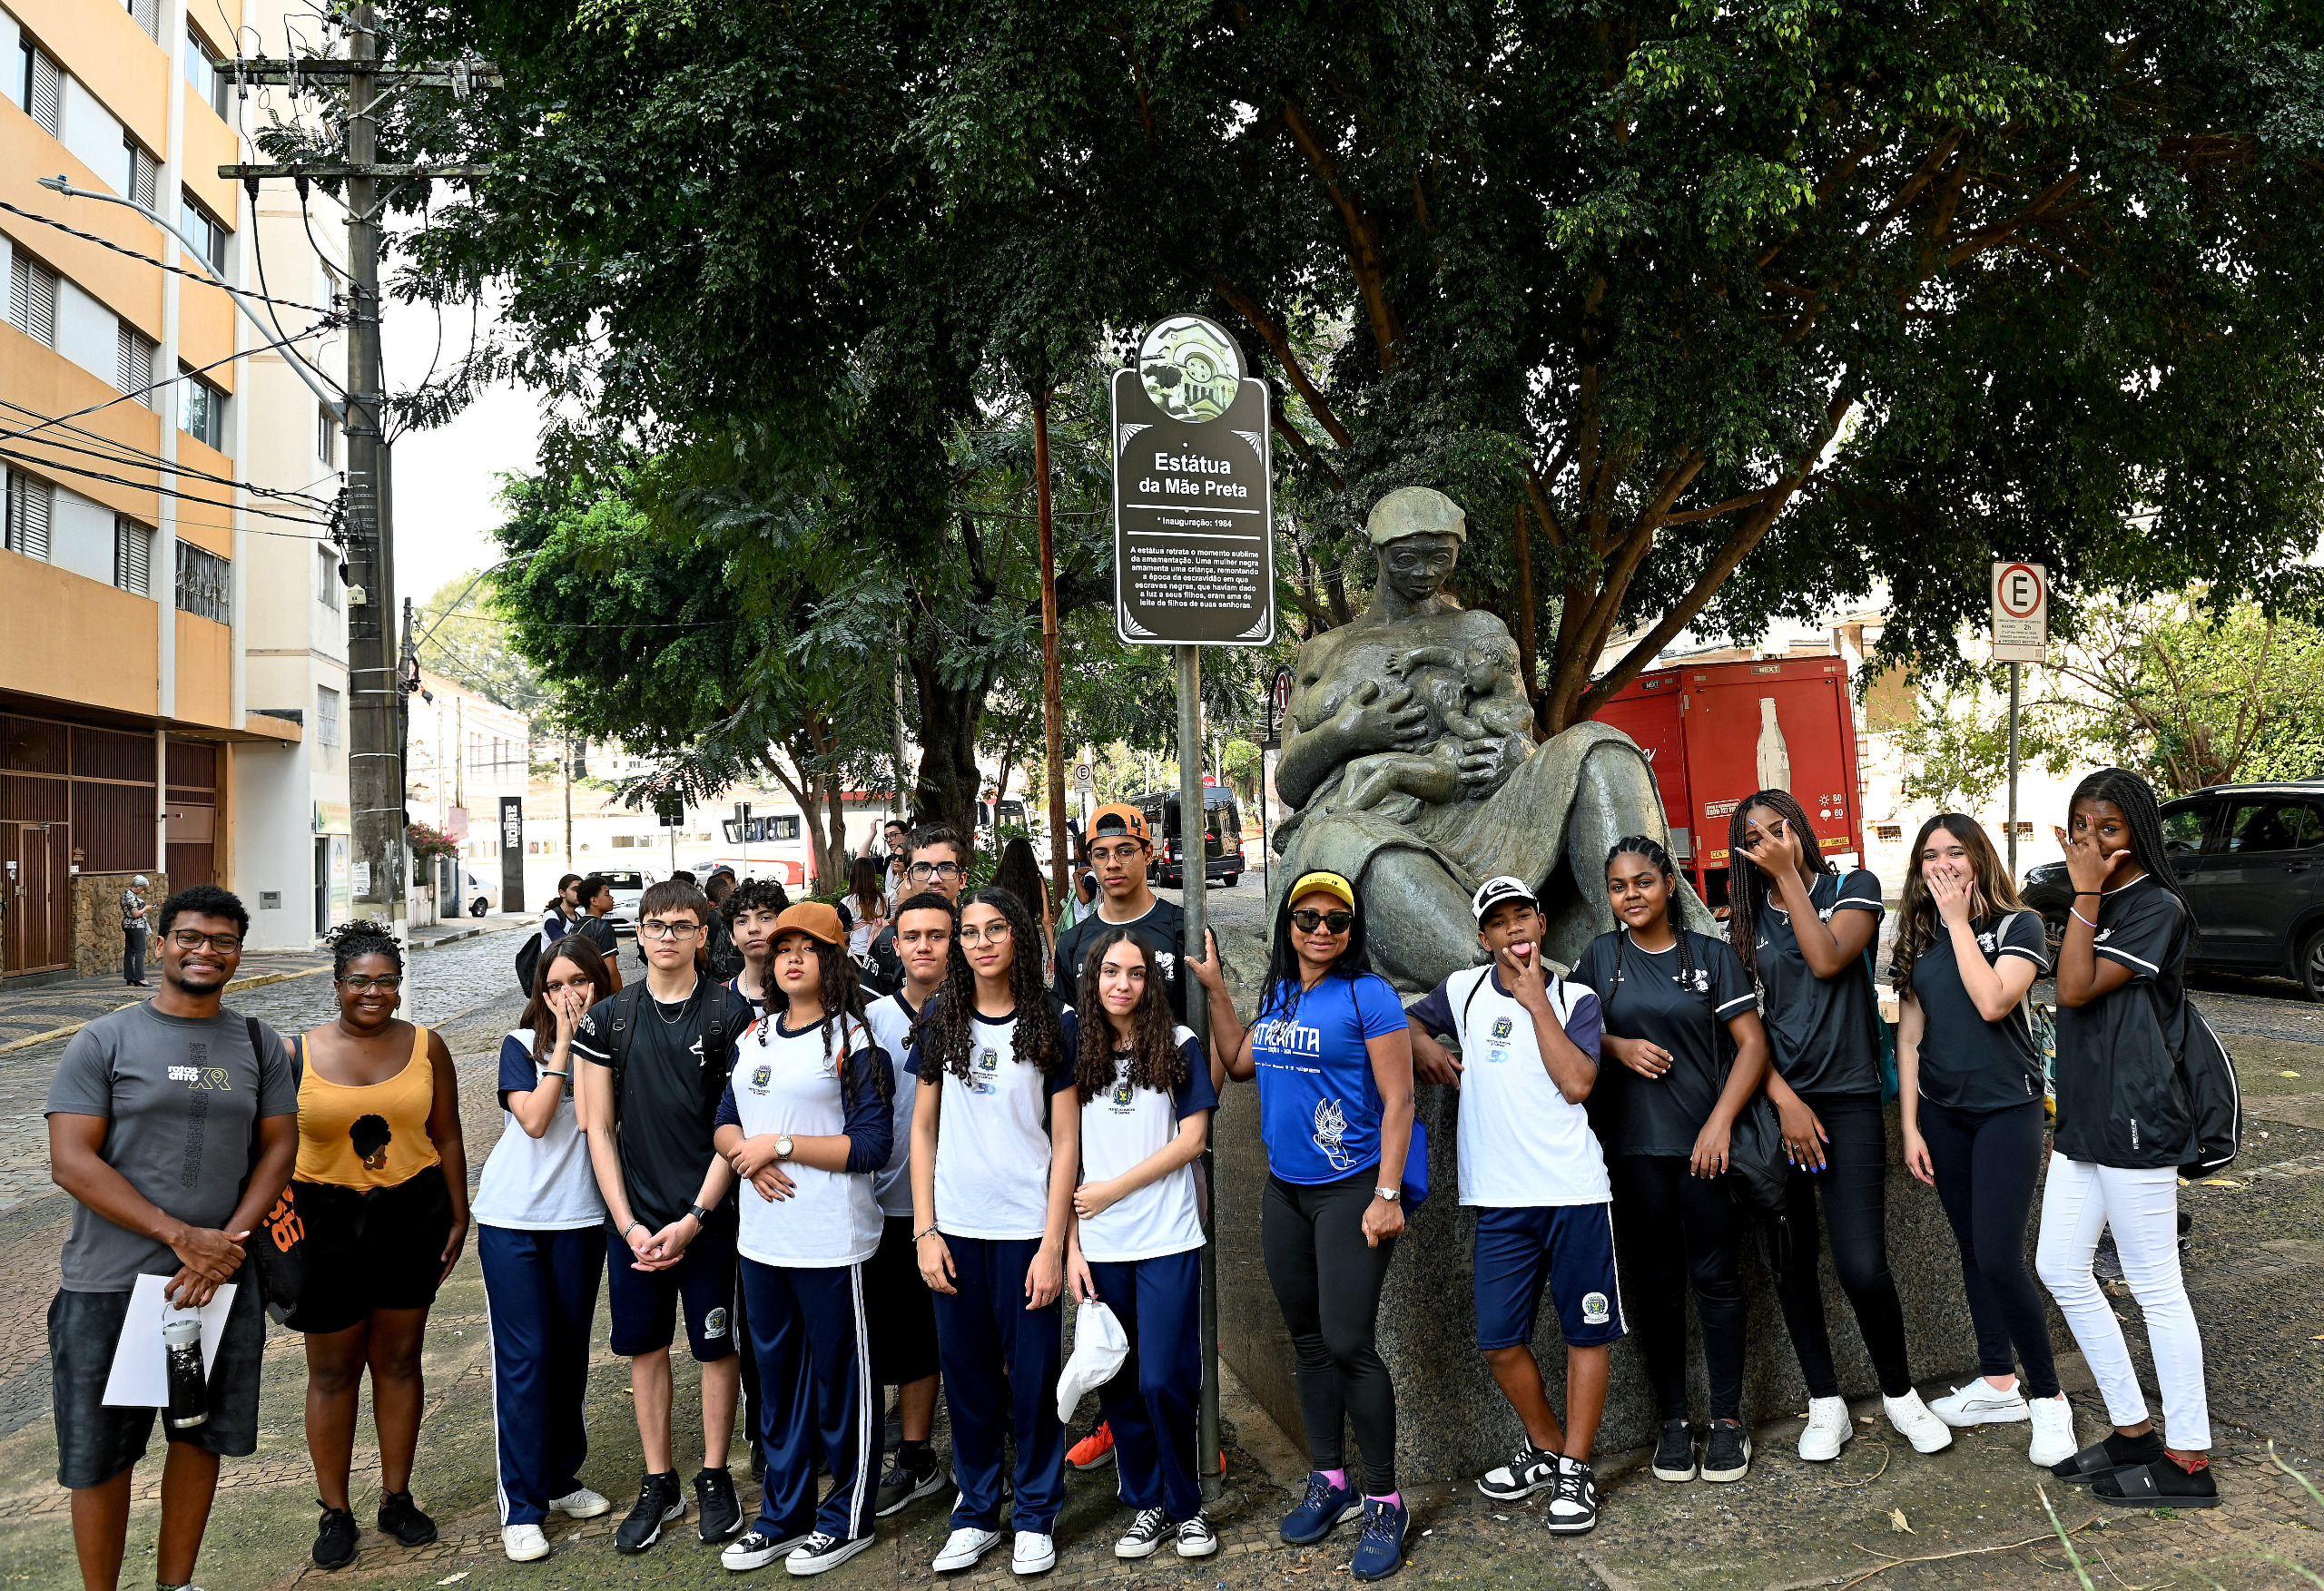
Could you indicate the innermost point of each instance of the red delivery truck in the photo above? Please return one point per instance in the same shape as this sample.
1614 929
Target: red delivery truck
1716 731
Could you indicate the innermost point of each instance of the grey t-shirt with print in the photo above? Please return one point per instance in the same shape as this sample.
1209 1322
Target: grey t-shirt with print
181 1094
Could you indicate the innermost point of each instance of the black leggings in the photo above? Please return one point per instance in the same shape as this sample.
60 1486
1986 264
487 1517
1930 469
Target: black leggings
1328 1285
1676 1225
1988 1165
1856 1213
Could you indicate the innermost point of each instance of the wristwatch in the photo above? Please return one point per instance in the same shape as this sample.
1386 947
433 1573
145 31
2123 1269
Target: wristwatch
783 1147
701 1216
1390 1194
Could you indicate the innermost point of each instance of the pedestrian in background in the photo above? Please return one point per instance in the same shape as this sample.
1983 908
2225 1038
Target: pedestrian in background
939 863
595 896
134 911
2125 1125
557 917
1801 929
172 1125
541 1241
1020 873
1971 1101
382 1187
992 1199
1332 1057
1683 1025
865 912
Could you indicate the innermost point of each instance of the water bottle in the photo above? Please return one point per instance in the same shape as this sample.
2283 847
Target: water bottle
188 1388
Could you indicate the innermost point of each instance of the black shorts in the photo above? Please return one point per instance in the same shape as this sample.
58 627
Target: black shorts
95 1442
380 1249
899 1309
643 1304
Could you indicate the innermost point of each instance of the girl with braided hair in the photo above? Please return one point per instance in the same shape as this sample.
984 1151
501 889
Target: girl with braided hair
1145 1095
1683 1026
2125 1125
1801 930
993 1165
382 1189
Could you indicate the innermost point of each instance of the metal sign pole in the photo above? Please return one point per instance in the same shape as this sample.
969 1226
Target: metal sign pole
1194 873
2015 670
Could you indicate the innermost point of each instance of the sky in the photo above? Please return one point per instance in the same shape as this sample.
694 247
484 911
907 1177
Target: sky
446 479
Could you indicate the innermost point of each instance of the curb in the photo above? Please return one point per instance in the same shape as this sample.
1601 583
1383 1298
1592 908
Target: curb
257 980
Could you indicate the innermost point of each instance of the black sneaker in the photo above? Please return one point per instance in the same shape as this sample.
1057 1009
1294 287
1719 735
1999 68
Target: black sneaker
1727 1451
1575 1507
905 1483
1146 1533
1196 1537
819 1552
1529 1470
400 1518
721 1513
1674 1451
335 1539
659 1501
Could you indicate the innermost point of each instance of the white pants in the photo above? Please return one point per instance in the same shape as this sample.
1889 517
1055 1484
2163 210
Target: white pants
2078 1201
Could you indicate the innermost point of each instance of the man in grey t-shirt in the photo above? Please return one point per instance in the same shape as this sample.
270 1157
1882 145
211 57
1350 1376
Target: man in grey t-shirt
151 1120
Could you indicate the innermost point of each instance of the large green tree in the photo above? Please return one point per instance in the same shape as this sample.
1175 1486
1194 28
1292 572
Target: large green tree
1707 311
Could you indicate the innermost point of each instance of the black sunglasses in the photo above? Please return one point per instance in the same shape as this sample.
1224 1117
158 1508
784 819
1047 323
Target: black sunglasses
1338 922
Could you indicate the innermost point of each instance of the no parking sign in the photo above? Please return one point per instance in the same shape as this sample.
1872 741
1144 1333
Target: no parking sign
2021 593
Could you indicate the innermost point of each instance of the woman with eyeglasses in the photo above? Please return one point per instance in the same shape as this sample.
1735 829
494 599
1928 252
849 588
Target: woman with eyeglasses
541 1241
1333 1058
993 1166
381 1186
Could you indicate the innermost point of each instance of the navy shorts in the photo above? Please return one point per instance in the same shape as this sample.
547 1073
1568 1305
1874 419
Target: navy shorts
1571 1247
645 1304
95 1440
899 1308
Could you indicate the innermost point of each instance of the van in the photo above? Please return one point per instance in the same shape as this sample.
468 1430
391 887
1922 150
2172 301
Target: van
1222 836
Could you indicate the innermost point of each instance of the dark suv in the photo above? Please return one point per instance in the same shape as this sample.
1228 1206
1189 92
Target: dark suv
2251 858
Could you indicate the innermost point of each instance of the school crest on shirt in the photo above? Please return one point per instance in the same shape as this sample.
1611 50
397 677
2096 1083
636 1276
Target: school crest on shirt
983 1070
1502 1027
759 1077
1121 1096
1331 1135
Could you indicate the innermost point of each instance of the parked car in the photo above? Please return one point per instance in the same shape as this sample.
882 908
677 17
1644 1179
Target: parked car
2250 860
1222 836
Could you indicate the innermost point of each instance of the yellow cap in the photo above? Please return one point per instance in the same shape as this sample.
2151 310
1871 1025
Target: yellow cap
1330 883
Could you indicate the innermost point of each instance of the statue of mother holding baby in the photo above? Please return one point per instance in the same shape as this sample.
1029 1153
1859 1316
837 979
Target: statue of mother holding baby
1410 757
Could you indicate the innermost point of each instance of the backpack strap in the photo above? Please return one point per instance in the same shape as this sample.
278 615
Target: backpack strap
621 1011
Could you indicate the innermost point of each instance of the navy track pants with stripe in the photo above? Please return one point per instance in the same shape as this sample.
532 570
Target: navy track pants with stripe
1150 1401
540 1299
984 1332
816 1400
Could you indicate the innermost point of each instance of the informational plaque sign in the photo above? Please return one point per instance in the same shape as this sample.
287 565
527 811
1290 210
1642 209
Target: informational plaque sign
1194 500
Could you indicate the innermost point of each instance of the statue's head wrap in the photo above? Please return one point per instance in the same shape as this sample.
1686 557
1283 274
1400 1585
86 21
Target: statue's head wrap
1416 511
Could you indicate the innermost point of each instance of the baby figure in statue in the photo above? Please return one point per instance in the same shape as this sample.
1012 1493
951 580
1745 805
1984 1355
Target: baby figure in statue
1474 693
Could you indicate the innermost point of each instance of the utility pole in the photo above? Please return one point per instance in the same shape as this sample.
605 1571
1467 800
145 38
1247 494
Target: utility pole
1052 687
376 778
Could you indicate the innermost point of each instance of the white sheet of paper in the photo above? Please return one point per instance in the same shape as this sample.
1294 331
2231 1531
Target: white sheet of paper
141 1366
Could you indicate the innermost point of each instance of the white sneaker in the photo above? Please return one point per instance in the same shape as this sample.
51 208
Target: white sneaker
2053 1437
1828 1429
1916 1424
1033 1553
1978 1404
523 1544
581 1504
964 1547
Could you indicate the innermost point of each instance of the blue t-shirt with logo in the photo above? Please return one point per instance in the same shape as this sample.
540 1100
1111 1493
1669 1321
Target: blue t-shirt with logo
1319 1104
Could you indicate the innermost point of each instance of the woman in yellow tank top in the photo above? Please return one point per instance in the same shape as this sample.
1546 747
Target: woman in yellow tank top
381 1186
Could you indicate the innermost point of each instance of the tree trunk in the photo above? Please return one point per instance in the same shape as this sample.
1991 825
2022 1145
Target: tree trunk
945 790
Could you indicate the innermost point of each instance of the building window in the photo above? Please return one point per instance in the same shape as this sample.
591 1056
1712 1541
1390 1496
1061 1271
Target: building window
132 556
30 502
624 842
136 374
147 14
201 410
209 235
205 584
144 174
40 87
203 76
31 297
326 718
786 828
326 578
325 435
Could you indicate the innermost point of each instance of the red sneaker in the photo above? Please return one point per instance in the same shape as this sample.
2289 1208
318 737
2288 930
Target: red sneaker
1094 1451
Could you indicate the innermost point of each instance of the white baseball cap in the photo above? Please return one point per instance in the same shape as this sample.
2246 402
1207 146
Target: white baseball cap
1494 890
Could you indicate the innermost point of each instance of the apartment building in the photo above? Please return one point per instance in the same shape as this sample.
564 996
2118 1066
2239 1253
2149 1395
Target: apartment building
464 754
124 419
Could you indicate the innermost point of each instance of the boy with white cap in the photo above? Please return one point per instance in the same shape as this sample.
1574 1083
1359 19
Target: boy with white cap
1531 1167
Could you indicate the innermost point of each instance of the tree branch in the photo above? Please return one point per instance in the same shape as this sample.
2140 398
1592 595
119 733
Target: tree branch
1362 243
1272 334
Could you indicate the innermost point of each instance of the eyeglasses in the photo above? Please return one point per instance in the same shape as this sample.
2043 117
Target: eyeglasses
935 870
390 983
992 936
1336 922
1107 853
656 929
195 939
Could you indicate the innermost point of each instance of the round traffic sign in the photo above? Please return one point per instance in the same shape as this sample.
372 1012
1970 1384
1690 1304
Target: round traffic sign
2023 583
1084 776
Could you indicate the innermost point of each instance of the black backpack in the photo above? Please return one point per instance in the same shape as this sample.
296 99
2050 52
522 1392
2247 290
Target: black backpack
621 1011
2214 1099
528 962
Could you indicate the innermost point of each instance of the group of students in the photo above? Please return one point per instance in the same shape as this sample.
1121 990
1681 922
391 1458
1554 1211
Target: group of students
842 1177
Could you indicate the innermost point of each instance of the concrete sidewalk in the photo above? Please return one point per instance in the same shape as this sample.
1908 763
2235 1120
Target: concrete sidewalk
58 1010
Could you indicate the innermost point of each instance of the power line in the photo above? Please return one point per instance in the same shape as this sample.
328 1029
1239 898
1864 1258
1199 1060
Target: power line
164 491
206 280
